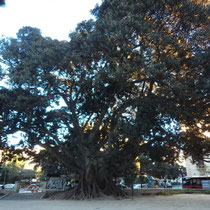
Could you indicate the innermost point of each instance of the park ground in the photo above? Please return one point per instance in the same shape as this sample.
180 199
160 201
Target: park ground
172 202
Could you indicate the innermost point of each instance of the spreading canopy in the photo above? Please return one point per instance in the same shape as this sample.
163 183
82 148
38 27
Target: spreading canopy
2 2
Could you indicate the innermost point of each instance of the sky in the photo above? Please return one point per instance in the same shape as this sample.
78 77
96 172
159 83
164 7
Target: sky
55 18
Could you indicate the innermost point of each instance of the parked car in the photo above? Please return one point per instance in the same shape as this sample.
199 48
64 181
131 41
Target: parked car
9 186
139 186
121 185
1 186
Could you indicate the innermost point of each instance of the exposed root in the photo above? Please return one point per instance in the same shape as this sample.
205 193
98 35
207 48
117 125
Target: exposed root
88 192
92 185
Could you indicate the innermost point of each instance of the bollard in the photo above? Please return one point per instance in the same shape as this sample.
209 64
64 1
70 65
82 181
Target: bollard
17 187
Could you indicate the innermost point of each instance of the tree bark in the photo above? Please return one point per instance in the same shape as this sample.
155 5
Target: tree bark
94 182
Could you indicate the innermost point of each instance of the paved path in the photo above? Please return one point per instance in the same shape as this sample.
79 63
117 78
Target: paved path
175 202
23 196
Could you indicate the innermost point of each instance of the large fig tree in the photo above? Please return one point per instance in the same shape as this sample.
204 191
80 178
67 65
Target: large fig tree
125 84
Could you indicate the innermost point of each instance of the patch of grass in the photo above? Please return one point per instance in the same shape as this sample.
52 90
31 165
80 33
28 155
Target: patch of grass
184 191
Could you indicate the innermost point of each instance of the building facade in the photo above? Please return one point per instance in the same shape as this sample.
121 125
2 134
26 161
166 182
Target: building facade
198 169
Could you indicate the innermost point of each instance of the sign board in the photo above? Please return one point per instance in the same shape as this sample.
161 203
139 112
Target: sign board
56 183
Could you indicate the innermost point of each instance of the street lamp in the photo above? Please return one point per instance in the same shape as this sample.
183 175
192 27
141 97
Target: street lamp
0 170
5 175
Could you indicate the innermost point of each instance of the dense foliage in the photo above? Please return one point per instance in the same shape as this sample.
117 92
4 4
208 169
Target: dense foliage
2 2
126 83
14 170
160 170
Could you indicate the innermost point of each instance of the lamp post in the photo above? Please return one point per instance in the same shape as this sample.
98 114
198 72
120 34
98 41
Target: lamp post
0 170
1 174
5 175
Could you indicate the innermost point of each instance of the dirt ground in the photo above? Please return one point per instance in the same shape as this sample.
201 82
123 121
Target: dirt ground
181 202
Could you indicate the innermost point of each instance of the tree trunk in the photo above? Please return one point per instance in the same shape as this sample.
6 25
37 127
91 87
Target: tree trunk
93 183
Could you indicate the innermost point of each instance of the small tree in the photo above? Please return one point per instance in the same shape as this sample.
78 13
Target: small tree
160 170
13 171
